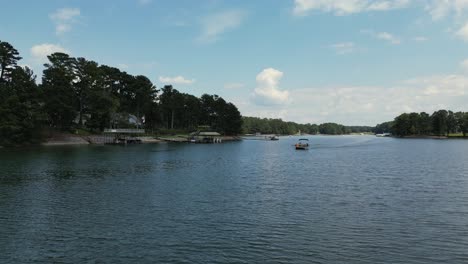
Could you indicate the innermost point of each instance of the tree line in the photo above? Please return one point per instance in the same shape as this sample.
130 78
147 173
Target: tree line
252 125
76 93
440 123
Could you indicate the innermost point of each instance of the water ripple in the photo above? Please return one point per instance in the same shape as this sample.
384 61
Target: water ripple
346 200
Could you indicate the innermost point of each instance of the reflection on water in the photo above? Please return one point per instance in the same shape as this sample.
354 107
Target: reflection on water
351 199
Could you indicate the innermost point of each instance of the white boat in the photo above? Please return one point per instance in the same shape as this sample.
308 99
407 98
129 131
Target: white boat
383 135
303 144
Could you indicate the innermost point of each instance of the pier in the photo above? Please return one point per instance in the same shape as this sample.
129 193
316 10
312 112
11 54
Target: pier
205 137
118 136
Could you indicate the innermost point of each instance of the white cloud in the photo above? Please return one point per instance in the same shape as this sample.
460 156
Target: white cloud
217 24
344 48
364 105
464 65
40 52
233 85
451 85
64 18
385 5
372 105
439 9
346 7
388 37
267 91
463 32
175 80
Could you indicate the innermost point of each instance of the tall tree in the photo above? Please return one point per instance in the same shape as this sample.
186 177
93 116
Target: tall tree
171 101
425 123
191 115
402 125
9 58
233 120
439 122
59 94
414 124
86 81
144 95
462 120
452 124
20 109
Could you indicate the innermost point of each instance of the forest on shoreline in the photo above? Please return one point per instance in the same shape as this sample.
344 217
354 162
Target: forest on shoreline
252 125
440 123
77 94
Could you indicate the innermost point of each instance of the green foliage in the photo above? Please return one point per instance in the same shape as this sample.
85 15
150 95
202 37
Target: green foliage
440 123
386 127
462 121
58 90
333 129
20 110
252 125
76 93
220 115
187 112
9 57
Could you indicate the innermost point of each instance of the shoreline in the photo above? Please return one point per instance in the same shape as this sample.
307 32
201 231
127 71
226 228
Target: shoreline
433 137
74 140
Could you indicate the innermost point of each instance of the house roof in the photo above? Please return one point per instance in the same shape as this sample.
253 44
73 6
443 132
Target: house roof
124 131
211 134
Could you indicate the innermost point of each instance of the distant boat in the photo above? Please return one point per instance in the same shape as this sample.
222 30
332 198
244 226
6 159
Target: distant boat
259 136
383 135
303 144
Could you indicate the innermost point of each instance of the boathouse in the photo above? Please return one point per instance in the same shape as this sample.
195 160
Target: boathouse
123 136
205 137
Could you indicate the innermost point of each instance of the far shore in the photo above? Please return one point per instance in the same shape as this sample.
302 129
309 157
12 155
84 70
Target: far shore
427 137
77 140
436 137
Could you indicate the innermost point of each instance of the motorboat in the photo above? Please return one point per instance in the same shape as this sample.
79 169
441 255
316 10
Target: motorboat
383 135
274 137
302 144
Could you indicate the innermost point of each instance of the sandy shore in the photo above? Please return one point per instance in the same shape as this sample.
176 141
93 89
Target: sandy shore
70 139
149 140
64 140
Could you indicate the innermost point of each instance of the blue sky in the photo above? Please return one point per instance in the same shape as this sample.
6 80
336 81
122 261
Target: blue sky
356 62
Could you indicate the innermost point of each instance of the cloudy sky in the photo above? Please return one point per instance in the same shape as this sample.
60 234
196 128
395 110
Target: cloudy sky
355 62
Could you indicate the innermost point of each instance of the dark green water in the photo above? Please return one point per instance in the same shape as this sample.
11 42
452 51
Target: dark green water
346 200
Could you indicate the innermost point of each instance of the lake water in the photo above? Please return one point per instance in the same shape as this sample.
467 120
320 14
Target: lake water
349 199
